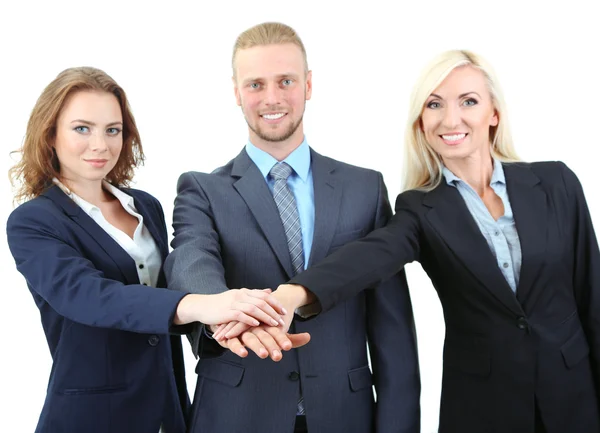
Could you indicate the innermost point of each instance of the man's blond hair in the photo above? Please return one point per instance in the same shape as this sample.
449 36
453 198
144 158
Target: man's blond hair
268 34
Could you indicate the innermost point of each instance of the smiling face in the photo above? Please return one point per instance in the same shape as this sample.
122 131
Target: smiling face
89 137
458 115
272 87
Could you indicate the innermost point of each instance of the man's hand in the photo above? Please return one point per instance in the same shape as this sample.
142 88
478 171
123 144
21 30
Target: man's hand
264 341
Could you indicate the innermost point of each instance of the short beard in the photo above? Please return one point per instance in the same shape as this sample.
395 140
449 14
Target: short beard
278 138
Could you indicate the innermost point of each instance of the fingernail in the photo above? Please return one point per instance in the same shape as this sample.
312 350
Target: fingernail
274 322
256 323
263 353
284 310
276 353
281 321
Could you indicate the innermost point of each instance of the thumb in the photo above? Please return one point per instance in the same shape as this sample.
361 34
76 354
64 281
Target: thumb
299 340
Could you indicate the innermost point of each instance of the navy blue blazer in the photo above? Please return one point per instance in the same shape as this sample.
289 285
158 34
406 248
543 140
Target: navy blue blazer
116 368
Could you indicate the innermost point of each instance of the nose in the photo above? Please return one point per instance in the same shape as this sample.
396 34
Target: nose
272 95
452 117
98 143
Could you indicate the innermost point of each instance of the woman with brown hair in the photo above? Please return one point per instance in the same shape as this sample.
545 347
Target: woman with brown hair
91 250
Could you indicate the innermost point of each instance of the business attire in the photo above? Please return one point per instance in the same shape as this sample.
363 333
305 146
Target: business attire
522 307
238 227
116 368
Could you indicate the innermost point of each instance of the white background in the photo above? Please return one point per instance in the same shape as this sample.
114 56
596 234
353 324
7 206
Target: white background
174 62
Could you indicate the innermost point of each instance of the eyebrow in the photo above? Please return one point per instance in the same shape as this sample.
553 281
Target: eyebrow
462 95
279 77
87 122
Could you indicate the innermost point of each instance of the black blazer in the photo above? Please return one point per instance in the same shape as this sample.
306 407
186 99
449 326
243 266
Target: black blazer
115 367
502 352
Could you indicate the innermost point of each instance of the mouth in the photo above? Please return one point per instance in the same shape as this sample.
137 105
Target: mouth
273 117
454 138
99 163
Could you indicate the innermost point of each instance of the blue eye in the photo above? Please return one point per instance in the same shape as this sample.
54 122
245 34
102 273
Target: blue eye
433 105
254 85
287 82
113 131
470 102
82 129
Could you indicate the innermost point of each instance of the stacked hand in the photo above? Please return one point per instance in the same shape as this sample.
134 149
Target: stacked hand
264 339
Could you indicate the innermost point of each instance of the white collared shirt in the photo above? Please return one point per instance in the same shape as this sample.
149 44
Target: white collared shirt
142 248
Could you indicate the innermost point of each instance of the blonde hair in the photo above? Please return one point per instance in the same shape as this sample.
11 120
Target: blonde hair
422 165
39 162
270 33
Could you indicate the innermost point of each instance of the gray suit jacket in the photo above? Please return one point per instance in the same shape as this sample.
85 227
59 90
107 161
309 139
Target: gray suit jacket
228 234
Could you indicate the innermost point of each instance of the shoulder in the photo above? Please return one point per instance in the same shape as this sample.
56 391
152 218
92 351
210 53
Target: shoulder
360 174
545 171
39 213
200 178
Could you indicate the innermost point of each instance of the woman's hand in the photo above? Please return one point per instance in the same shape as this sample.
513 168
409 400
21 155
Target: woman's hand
242 305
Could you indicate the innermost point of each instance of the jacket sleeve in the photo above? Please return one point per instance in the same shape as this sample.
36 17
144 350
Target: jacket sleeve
74 287
586 277
366 262
195 264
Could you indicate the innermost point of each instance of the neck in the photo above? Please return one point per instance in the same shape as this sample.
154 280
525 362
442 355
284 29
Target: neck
476 170
91 191
279 150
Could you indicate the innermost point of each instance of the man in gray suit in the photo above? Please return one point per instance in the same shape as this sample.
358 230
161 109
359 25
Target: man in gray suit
273 210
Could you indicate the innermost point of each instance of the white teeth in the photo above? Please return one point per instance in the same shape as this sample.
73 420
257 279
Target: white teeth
454 137
273 116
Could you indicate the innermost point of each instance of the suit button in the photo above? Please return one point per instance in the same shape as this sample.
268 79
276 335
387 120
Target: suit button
153 340
294 375
522 323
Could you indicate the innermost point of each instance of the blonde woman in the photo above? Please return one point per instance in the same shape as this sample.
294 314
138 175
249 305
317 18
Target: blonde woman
91 251
510 249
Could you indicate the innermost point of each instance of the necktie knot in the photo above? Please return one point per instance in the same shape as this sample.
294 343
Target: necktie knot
281 170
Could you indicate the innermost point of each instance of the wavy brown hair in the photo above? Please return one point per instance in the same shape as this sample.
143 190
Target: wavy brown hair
39 164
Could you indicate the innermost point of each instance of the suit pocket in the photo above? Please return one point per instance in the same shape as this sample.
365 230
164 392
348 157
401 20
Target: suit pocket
467 354
575 349
340 239
93 391
221 371
360 378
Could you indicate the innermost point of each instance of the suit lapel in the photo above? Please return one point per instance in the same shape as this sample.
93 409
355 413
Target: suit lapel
529 205
452 220
328 196
118 255
252 187
153 226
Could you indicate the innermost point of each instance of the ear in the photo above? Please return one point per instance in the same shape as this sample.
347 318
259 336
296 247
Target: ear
495 119
236 91
308 85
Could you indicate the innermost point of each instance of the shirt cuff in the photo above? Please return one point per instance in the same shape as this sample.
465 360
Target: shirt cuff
207 332
308 311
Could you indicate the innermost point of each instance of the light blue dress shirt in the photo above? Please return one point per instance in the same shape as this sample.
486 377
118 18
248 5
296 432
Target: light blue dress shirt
501 235
300 183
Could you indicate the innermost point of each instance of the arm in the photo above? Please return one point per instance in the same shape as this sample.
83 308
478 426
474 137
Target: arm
363 263
74 287
393 346
195 264
586 278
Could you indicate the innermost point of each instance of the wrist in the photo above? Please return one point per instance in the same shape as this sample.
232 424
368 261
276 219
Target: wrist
293 296
186 310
